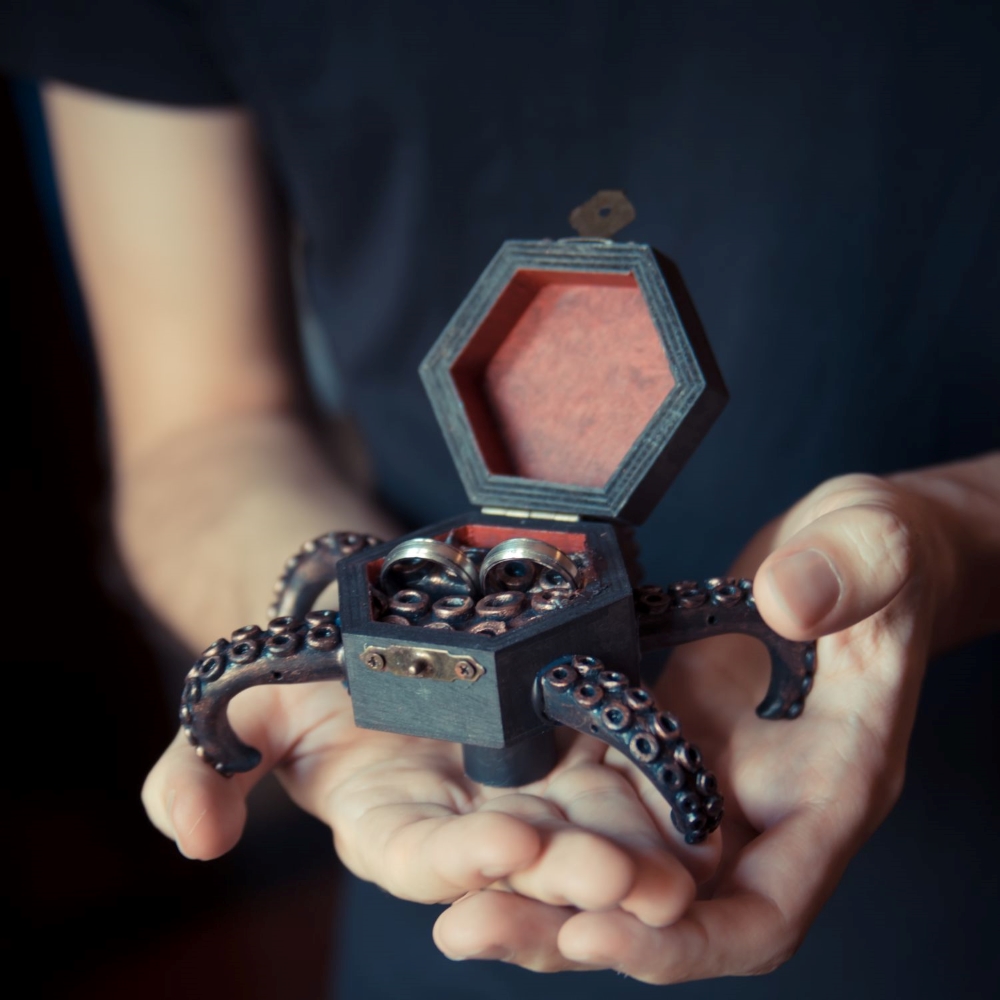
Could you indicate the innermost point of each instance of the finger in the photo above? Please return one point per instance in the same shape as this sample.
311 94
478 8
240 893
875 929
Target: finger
839 569
755 922
574 866
202 812
190 802
603 801
504 926
427 854
688 950
407 823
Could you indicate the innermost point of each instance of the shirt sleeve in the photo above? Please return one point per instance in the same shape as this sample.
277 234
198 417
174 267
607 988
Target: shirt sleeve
147 50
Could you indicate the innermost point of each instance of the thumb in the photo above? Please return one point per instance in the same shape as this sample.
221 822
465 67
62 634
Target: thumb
838 570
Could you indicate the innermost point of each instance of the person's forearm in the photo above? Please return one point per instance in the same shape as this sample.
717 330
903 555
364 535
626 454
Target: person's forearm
182 257
966 497
206 521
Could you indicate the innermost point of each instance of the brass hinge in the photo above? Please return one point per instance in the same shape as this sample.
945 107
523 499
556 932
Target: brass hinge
542 515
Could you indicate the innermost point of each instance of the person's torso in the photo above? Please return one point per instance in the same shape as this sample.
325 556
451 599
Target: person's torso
826 181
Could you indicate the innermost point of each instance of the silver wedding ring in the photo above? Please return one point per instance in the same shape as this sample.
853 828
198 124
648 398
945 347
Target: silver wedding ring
450 558
527 550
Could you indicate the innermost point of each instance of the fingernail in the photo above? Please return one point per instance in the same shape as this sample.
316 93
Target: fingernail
807 585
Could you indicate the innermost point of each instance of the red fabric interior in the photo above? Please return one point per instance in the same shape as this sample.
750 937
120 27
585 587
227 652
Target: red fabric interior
485 536
562 376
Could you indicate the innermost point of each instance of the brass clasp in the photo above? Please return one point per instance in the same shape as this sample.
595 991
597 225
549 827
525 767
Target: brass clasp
423 663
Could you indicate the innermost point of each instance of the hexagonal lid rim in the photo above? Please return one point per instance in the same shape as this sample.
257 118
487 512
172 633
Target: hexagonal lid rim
670 437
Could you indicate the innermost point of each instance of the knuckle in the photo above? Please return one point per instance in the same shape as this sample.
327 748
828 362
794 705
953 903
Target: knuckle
883 528
886 539
847 491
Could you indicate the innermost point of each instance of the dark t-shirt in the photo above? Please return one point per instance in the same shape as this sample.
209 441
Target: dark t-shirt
827 178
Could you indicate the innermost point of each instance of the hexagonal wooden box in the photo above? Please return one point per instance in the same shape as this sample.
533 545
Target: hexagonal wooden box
496 709
571 385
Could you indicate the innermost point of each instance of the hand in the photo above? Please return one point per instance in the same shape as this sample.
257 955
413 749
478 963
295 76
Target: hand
874 567
404 815
401 810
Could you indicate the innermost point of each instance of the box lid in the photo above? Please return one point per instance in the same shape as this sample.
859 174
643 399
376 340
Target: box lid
575 378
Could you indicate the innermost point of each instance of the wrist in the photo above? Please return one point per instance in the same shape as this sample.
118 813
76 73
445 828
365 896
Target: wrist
961 524
206 521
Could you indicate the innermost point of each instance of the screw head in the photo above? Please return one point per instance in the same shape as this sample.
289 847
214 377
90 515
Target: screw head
375 660
464 669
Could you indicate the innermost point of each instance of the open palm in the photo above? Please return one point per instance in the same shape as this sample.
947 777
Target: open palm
800 797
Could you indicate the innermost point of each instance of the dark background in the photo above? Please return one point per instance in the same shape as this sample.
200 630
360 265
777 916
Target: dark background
99 904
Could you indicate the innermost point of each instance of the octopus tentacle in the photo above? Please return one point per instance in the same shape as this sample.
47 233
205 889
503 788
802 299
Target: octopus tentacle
288 651
312 569
686 611
578 692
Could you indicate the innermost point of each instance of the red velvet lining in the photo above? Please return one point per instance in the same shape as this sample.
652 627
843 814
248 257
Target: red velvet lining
562 376
485 536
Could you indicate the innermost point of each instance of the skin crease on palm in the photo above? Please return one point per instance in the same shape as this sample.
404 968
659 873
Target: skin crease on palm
217 483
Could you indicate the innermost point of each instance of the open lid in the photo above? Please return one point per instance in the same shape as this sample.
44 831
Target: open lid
575 378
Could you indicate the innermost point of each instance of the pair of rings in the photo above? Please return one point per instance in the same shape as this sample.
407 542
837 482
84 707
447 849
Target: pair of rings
501 569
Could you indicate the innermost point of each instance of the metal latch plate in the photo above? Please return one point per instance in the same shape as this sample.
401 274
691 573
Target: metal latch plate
421 663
